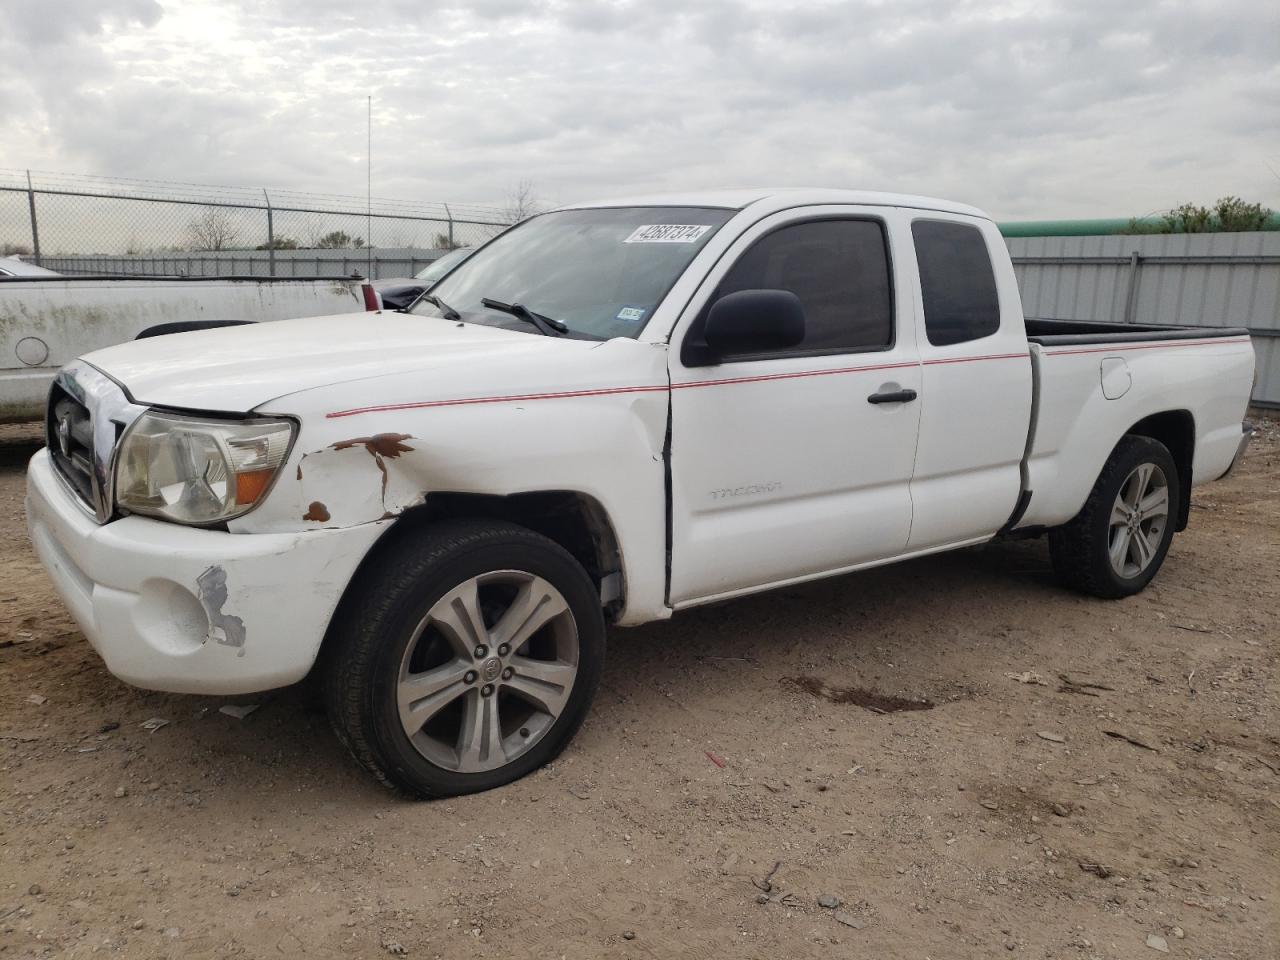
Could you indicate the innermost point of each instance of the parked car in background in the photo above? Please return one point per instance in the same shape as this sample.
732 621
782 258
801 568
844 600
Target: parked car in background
47 320
607 414
14 267
399 293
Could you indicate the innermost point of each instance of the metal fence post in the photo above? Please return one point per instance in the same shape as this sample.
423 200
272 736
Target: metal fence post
271 238
1131 294
35 230
449 216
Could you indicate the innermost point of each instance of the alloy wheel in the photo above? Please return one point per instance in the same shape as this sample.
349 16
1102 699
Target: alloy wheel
488 671
1139 517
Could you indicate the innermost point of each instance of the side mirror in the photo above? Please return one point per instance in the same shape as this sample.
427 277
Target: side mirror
754 321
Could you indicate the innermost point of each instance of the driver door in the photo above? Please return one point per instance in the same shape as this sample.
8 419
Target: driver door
783 466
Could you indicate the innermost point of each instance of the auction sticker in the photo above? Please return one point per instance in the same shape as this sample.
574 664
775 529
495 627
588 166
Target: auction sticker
631 314
667 233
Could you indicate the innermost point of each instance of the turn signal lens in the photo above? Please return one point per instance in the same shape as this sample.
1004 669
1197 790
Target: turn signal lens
250 486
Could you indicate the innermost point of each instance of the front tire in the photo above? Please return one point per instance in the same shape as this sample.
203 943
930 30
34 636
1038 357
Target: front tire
464 658
1115 545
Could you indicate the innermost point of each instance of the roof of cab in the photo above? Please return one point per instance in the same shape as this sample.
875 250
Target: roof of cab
783 198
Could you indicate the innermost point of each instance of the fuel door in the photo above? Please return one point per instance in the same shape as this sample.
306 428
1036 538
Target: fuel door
1116 379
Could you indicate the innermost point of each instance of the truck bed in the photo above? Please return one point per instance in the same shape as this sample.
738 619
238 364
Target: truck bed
1047 332
1093 381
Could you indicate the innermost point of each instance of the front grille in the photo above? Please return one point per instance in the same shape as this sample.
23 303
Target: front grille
88 413
70 439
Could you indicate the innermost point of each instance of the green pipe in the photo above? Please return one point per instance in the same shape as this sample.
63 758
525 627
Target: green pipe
1091 228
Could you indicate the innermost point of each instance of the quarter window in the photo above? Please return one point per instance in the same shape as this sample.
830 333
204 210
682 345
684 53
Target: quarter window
840 271
956 280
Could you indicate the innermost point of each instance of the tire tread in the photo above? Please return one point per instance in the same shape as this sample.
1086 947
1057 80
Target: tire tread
347 678
1078 548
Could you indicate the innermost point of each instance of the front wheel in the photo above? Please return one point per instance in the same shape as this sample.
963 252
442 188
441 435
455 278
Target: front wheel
1116 544
465 658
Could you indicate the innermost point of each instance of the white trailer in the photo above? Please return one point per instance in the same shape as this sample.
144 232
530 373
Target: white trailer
48 321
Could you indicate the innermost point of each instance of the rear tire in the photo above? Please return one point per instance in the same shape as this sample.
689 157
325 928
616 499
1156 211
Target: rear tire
464 657
1116 544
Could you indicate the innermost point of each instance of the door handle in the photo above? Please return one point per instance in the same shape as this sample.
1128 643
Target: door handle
893 396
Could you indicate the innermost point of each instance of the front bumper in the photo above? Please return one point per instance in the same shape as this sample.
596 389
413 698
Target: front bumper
186 610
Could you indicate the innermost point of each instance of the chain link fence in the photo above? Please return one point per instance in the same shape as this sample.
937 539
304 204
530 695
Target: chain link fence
83 225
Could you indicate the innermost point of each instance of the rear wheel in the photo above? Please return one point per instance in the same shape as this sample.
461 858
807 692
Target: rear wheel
1118 541
467 658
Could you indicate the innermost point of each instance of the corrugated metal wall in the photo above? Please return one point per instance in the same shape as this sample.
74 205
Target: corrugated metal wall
1208 279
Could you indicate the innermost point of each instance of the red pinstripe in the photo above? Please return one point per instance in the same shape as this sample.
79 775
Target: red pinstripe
425 404
792 376
763 378
990 356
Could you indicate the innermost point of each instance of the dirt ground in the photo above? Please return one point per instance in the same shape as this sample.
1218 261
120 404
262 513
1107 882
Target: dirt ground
1129 809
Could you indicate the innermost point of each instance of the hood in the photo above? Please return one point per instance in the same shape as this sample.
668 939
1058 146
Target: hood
235 369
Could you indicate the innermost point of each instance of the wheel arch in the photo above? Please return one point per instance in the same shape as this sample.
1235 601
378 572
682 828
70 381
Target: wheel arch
576 521
1176 429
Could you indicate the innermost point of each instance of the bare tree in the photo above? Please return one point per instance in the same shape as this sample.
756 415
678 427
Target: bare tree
313 230
213 230
522 202
401 237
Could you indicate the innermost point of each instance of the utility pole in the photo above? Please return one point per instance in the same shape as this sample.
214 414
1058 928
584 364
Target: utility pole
368 210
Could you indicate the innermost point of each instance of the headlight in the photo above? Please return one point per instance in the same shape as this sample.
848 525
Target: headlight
198 471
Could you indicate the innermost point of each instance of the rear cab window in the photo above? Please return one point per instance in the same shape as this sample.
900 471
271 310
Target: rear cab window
839 270
957 283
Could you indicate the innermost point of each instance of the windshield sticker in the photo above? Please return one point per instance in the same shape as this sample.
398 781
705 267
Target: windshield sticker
667 233
631 314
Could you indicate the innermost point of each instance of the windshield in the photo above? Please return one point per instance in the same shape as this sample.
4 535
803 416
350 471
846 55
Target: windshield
438 268
601 272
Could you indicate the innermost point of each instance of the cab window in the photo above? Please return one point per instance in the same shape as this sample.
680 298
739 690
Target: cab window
839 270
956 281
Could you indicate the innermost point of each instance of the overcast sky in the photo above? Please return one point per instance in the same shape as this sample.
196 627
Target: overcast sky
1028 109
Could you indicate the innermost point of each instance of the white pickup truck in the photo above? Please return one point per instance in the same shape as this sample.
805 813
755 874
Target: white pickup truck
609 413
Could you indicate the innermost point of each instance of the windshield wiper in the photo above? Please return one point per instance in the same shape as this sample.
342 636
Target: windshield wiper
547 325
448 311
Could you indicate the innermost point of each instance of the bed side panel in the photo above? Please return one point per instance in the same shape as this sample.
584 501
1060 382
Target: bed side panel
1078 427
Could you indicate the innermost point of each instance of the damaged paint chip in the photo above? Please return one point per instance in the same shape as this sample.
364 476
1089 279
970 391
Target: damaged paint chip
382 447
223 628
317 512
389 445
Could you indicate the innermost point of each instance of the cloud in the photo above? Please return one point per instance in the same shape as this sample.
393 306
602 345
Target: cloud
1029 109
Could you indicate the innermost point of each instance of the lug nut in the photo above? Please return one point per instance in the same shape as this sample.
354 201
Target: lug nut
470 677
481 651
508 673
486 690
504 649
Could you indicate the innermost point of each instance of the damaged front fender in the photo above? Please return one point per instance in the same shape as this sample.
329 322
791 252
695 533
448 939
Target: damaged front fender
366 454
354 476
